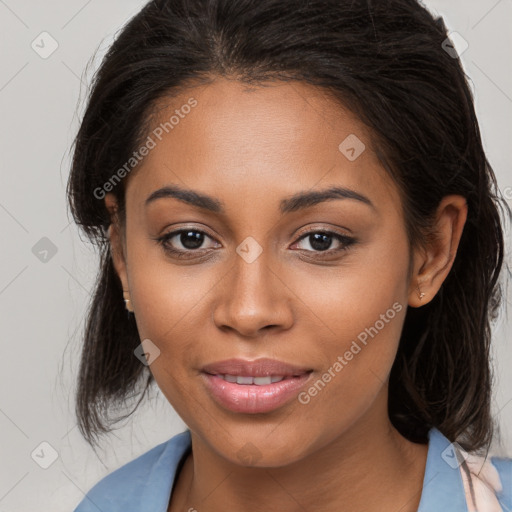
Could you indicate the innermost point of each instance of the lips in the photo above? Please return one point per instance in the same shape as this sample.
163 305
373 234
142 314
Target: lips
263 367
256 386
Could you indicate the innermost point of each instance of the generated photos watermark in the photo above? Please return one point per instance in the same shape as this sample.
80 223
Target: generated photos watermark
143 151
304 397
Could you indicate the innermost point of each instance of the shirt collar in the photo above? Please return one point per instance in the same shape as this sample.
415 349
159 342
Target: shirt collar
162 476
442 485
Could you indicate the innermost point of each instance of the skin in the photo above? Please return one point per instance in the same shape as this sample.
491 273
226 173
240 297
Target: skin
251 148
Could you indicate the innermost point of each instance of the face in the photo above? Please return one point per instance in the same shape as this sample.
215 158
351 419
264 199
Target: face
258 270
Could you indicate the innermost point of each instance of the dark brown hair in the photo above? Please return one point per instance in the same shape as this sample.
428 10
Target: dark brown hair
385 61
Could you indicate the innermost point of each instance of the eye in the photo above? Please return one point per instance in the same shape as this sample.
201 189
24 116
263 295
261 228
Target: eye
183 242
322 241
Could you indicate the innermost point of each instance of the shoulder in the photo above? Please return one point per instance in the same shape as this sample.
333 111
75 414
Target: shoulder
454 478
144 481
504 468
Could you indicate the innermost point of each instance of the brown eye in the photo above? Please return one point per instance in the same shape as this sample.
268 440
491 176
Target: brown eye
191 239
184 242
322 241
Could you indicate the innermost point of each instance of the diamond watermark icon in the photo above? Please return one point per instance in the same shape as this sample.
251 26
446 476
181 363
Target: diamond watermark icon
44 45
454 455
249 249
146 352
44 250
455 45
352 147
44 455
248 454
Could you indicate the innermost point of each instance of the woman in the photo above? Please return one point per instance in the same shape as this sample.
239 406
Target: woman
301 244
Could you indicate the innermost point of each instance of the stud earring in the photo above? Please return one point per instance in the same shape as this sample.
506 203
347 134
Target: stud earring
420 293
127 302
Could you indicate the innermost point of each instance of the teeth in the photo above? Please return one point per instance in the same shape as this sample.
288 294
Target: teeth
261 381
245 380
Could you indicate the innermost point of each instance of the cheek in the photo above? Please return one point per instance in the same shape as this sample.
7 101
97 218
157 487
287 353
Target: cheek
170 311
364 306
173 317
357 362
165 295
170 302
166 300
353 296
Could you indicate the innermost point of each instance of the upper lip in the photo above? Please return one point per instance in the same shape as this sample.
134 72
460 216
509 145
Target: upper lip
257 368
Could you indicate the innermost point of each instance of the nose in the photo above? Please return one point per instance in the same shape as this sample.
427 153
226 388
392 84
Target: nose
254 299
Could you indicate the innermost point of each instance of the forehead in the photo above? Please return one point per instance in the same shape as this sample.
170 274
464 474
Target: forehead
275 138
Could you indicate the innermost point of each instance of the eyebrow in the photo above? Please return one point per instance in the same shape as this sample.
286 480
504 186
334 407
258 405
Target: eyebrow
299 201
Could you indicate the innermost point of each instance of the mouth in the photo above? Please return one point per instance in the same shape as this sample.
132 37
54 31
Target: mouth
258 386
247 380
263 367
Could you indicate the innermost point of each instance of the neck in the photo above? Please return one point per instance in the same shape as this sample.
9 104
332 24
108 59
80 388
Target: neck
366 468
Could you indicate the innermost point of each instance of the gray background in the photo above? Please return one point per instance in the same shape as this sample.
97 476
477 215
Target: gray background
43 295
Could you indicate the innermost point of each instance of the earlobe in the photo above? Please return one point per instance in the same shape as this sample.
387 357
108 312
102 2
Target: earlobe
434 263
118 259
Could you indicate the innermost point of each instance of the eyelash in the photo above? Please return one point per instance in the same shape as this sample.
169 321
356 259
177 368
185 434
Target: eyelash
345 240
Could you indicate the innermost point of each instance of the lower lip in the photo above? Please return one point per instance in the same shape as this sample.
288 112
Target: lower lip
250 398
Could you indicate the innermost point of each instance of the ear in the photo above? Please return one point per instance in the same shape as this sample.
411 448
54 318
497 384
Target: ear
117 242
433 263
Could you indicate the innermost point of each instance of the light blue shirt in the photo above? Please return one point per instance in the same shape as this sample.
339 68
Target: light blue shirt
145 483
